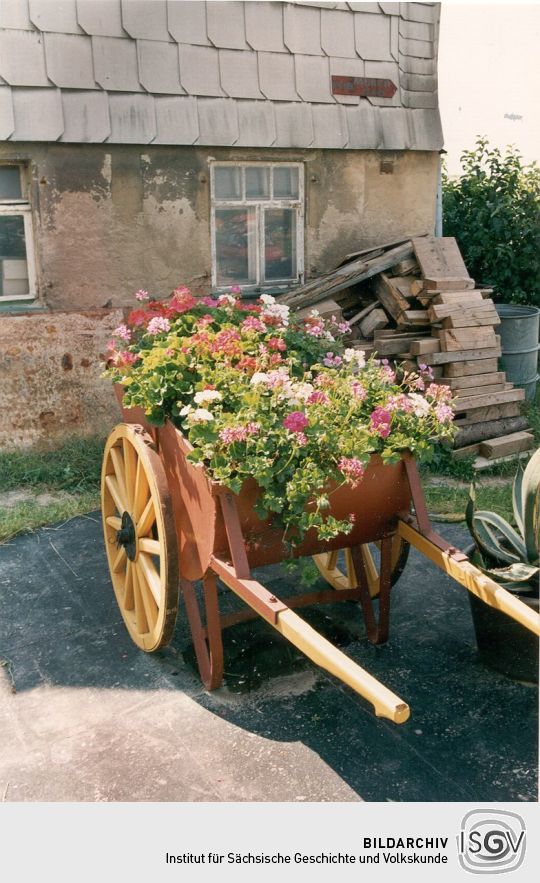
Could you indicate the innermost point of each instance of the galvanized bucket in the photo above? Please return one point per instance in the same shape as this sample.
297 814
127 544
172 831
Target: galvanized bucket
519 338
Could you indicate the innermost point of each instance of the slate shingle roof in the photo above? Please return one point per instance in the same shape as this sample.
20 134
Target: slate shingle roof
217 73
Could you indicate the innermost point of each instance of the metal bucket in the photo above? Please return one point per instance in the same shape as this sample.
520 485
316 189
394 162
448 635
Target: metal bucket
519 338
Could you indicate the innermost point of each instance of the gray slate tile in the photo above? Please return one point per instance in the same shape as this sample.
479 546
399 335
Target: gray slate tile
395 128
302 29
38 114
115 64
415 30
347 67
176 119
69 61
22 58
15 14
418 82
264 26
372 34
384 70
7 123
86 116
365 7
100 18
426 129
218 121
411 65
145 19
417 48
364 124
294 125
199 70
418 99
59 16
133 118
337 33
425 12
390 8
394 38
225 24
329 126
159 67
277 76
313 78
187 21
238 73
256 124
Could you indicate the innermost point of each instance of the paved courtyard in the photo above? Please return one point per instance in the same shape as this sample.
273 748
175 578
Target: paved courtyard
85 716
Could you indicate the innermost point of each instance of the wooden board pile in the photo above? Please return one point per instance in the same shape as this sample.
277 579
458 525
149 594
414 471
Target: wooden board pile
423 308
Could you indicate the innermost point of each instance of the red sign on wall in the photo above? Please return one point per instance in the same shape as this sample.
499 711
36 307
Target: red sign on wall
364 87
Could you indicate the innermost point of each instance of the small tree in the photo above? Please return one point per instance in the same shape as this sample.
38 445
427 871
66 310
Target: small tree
493 210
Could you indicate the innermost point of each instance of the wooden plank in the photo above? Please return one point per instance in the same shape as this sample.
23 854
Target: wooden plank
376 319
481 390
393 346
391 299
438 312
428 345
403 268
462 356
483 462
439 257
475 380
499 398
416 287
470 366
465 320
484 415
507 444
400 332
467 451
448 283
458 339
413 317
325 308
463 298
363 312
477 432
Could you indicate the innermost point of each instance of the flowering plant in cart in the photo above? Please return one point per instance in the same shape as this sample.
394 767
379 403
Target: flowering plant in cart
264 394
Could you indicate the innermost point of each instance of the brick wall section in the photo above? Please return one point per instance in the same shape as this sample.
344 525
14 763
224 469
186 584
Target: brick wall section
50 364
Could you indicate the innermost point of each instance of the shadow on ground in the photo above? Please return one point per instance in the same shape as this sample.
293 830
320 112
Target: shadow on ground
87 716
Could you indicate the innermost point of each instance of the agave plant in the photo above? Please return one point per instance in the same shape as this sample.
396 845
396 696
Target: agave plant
510 556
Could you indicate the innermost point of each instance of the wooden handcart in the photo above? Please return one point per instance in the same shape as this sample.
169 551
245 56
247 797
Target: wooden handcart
167 526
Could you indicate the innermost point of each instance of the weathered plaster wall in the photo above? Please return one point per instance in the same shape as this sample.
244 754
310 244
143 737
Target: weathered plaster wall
110 219
51 377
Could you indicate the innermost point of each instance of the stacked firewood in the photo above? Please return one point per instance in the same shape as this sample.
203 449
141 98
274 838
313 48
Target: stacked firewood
414 302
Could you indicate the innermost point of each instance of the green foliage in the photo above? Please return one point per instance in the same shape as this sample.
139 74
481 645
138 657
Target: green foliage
493 211
74 466
511 556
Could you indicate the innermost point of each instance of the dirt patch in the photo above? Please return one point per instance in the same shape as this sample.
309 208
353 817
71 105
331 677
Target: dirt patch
10 499
447 481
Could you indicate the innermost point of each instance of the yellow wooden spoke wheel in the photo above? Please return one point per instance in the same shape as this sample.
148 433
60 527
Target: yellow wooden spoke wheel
140 537
338 569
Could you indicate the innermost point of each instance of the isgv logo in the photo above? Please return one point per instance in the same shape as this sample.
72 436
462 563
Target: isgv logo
491 841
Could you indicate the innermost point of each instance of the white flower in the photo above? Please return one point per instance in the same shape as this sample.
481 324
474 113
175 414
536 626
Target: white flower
314 314
297 392
280 311
207 395
201 415
187 409
420 405
329 336
267 299
258 378
357 356
226 299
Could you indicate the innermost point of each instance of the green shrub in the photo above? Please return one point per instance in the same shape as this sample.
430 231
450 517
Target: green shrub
493 210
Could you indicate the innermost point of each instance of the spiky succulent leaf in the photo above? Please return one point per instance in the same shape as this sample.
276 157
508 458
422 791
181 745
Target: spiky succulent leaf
531 508
481 526
502 534
515 574
517 498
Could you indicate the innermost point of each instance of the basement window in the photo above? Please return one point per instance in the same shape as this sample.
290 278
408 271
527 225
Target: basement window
257 225
17 267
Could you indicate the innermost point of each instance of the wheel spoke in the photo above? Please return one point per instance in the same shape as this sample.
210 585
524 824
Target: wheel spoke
150 607
331 559
128 587
151 575
142 491
153 547
140 615
114 522
115 492
147 519
119 560
130 466
120 473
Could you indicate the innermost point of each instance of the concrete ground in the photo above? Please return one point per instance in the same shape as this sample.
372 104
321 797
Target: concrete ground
85 716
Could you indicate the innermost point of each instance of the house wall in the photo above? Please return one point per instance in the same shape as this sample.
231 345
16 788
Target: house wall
109 219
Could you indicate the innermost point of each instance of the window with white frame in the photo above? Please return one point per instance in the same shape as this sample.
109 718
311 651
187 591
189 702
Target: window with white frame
257 224
17 268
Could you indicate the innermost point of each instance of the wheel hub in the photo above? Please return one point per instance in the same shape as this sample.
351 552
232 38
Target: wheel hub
127 536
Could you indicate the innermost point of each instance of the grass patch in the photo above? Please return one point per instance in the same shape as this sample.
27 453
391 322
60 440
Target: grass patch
452 499
30 514
75 466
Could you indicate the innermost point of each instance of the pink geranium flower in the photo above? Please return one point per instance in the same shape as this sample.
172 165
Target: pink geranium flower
158 324
296 421
352 468
380 422
142 295
122 332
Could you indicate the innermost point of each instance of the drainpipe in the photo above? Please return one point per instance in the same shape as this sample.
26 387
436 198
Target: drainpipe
438 201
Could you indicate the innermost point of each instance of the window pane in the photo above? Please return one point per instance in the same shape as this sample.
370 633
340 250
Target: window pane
227 182
257 182
286 183
236 248
10 182
280 243
13 267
